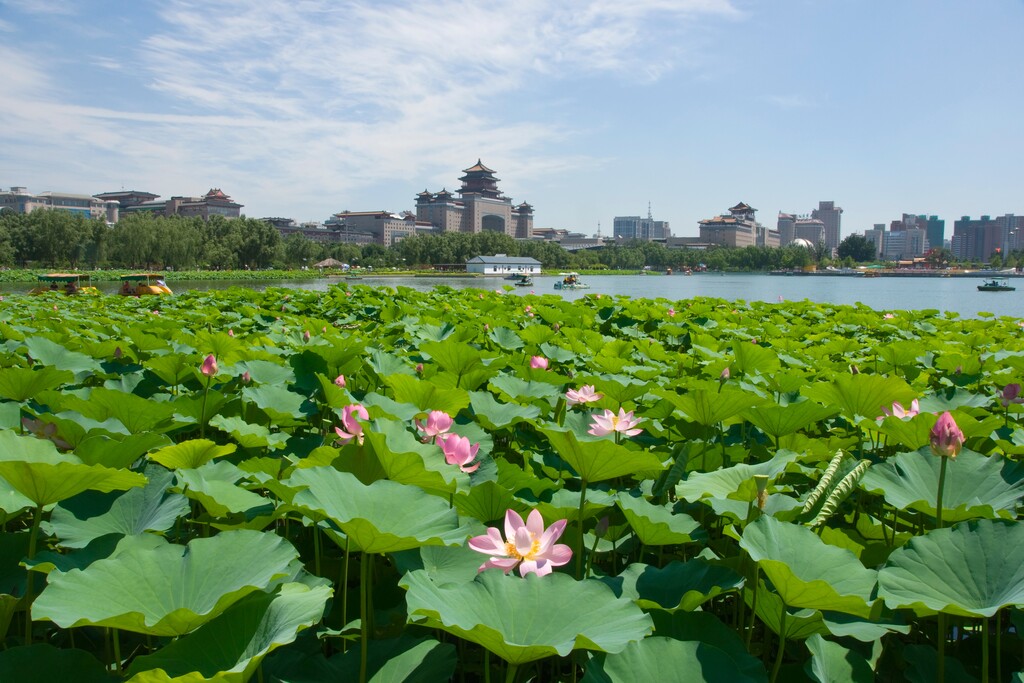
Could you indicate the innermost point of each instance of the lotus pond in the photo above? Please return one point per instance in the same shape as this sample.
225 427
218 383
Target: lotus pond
464 485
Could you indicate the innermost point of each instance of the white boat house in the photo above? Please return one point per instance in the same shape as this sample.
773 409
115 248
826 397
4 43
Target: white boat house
500 264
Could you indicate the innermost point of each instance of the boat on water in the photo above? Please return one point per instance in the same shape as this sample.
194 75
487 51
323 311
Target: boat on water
68 283
522 280
570 281
141 284
996 285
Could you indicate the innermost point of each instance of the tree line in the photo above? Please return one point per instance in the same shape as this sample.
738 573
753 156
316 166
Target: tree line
53 238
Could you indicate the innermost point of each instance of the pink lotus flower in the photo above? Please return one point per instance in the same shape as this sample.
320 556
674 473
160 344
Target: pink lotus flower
353 427
671 312
419 368
339 381
438 422
608 422
231 333
209 368
118 352
888 316
584 394
529 545
246 377
946 437
899 412
458 451
1010 394
305 335
724 376
539 363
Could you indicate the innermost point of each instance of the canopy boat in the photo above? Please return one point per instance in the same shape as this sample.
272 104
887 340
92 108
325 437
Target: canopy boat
68 283
521 280
139 284
996 286
570 281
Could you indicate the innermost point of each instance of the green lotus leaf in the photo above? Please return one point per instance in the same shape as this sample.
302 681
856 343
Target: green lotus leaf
922 666
710 407
407 460
282 406
79 520
453 356
35 469
860 396
657 524
536 334
664 659
98 549
506 338
486 501
118 452
777 420
21 384
565 504
516 388
50 353
386 364
553 614
395 660
44 663
678 585
601 459
215 486
975 485
167 590
10 415
249 435
494 414
865 630
832 663
707 628
190 454
912 433
137 414
379 405
754 359
557 354
799 623
443 564
427 395
224 347
264 371
620 388
972 569
13 577
382 517
806 572
725 483
12 503
229 648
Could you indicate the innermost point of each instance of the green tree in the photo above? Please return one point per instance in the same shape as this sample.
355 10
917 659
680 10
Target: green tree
858 248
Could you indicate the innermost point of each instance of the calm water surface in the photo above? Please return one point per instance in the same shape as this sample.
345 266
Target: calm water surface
881 293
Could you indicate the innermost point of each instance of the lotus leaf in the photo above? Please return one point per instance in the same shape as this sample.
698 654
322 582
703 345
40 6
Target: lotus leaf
972 569
396 660
166 590
118 452
382 517
664 659
725 483
496 415
21 384
50 353
832 663
860 396
229 648
249 435
190 454
427 395
553 614
657 524
601 459
35 469
43 663
215 486
407 460
711 407
678 585
782 420
806 572
282 406
975 486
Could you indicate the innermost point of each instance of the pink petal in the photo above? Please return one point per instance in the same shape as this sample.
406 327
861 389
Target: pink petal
512 522
523 541
552 534
540 568
535 524
491 543
506 564
559 554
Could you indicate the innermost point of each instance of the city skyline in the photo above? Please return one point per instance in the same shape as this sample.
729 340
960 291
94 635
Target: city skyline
589 109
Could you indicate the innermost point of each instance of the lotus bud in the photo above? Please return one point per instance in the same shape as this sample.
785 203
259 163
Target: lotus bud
118 353
556 327
231 333
946 438
246 377
671 312
854 370
761 480
539 363
55 307
602 526
305 336
419 368
959 370
209 368
339 381
725 375
324 329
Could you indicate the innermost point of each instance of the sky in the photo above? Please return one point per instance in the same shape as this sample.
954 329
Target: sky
586 109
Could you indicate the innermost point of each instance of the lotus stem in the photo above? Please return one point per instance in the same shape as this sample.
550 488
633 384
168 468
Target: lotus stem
364 620
579 541
202 414
938 496
999 648
37 518
316 547
116 637
753 607
487 666
984 650
941 646
782 644
511 672
344 594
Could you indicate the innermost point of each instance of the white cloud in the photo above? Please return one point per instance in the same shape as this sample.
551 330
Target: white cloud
315 99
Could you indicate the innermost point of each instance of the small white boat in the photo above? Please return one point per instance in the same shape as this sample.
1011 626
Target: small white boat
570 281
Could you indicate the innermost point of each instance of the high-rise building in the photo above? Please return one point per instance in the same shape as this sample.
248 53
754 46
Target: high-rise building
637 228
831 215
786 226
739 229
480 207
18 200
978 239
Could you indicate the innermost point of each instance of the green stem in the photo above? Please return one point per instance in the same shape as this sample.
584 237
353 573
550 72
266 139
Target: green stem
316 547
984 650
344 594
782 645
37 518
938 496
753 607
941 646
117 649
364 618
999 649
487 666
510 673
202 414
579 541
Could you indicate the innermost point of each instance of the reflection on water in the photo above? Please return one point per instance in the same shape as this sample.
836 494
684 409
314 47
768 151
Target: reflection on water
959 295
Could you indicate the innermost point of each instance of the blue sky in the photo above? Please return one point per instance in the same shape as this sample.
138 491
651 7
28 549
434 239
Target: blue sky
587 109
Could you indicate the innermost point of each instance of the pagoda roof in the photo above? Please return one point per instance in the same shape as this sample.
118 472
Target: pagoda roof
217 193
425 193
478 167
743 206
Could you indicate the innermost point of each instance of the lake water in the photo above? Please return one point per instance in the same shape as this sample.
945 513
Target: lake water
957 294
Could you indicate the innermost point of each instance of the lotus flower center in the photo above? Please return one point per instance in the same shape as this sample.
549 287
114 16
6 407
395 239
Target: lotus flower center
510 549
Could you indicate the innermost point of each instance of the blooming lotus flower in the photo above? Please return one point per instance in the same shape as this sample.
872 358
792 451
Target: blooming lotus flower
946 438
671 312
339 381
209 368
1010 394
900 412
608 422
353 428
438 422
888 316
529 545
539 363
458 451
231 332
584 394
